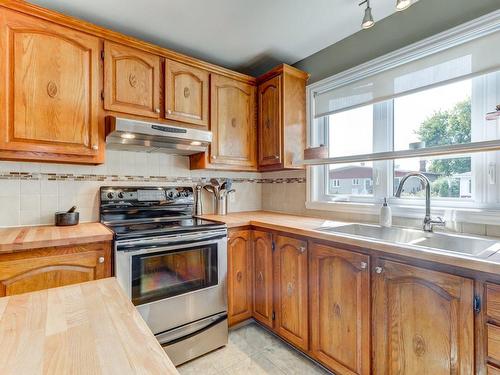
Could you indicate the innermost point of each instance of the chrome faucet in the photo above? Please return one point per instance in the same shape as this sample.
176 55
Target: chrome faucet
428 221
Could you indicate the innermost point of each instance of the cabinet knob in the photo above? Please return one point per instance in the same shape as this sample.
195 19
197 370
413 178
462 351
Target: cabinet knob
289 289
101 260
378 269
157 110
260 276
239 276
169 111
276 156
302 249
363 265
214 157
95 147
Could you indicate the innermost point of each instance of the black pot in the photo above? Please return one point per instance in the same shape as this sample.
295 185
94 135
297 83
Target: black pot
67 218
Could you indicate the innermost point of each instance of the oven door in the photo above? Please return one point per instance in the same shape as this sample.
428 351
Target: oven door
175 282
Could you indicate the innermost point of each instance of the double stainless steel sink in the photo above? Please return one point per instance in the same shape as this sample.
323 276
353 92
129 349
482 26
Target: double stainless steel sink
455 243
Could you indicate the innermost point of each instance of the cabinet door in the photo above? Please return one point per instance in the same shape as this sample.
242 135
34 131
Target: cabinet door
270 122
131 80
49 95
232 122
263 277
239 276
340 309
423 321
186 90
291 296
53 267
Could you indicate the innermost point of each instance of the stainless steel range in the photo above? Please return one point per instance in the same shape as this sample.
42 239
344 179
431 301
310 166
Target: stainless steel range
171 264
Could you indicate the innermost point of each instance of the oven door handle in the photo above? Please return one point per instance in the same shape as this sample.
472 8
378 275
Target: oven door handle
140 244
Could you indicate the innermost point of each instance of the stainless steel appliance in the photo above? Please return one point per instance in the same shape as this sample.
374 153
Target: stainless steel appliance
134 135
171 264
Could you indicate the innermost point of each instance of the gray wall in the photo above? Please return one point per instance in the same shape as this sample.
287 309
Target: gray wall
423 19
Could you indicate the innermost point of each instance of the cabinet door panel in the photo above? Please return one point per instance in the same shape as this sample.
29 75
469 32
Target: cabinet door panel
53 267
291 295
187 90
50 88
340 309
232 122
270 122
423 321
263 278
239 276
131 80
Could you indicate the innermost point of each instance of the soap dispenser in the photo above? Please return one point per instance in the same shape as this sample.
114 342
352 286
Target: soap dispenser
385 219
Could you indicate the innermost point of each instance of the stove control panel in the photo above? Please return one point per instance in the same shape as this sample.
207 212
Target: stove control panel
146 194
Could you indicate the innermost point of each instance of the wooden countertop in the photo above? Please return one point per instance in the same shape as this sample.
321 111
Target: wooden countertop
36 237
308 227
88 328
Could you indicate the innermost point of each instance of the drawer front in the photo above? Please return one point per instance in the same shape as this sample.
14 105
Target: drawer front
493 301
493 334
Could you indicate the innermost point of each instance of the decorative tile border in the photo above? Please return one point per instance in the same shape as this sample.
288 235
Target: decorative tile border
127 178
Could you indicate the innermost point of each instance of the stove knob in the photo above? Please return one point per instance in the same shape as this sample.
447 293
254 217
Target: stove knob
121 195
177 194
110 195
170 194
185 193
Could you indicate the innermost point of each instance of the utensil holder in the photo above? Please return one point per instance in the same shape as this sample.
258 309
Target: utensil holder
221 205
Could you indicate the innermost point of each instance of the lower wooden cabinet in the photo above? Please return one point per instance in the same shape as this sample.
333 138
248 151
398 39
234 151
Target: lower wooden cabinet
239 276
339 287
291 291
33 270
423 321
263 277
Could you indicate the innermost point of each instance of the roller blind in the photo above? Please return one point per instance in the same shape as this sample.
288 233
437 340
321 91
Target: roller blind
479 56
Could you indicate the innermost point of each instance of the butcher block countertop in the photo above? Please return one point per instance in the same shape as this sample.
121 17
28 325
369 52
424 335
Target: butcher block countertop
88 328
308 227
36 237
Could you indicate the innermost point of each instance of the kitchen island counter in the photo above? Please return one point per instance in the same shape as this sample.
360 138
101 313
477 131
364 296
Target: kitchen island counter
87 328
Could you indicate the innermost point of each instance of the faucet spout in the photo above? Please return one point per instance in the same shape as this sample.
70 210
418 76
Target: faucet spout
428 221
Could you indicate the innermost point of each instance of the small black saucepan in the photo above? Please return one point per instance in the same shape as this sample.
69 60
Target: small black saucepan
70 217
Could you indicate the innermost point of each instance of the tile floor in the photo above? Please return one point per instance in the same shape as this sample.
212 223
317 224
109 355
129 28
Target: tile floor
252 350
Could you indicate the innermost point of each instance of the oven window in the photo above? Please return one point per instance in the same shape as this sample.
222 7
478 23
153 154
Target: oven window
170 273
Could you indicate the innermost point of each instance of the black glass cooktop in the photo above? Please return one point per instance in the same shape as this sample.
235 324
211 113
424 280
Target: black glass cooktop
156 228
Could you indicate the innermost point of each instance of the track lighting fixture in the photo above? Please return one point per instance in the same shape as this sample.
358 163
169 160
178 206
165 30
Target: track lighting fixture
368 17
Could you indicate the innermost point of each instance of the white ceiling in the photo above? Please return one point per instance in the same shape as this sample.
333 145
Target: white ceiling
246 35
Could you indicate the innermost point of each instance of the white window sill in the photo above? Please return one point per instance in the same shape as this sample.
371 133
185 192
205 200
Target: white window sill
461 215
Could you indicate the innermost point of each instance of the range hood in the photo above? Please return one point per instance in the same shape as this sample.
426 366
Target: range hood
133 135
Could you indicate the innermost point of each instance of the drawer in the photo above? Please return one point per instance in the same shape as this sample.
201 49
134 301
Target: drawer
492 370
493 339
493 301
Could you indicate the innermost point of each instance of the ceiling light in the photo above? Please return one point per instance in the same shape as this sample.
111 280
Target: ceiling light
128 135
368 17
196 143
402 4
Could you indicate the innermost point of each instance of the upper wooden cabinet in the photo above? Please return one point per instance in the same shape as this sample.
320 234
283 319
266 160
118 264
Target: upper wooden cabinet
29 271
239 277
131 80
187 93
423 321
263 277
232 121
340 309
282 118
49 91
291 290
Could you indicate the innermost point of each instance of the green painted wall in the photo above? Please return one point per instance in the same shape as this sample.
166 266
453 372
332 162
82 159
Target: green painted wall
423 19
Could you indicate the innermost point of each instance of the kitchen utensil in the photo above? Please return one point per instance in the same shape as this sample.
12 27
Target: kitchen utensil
70 217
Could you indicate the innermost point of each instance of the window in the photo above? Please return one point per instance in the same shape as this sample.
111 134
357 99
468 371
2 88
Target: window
436 100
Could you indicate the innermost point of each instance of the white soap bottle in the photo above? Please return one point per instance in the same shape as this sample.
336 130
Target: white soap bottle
385 219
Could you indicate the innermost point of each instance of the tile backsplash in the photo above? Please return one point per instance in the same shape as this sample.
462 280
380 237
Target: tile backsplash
30 193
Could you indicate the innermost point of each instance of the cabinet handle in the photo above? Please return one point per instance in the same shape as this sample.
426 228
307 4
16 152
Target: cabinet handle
260 276
214 157
289 289
363 265
157 110
378 269
169 111
101 260
302 249
239 276
95 147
